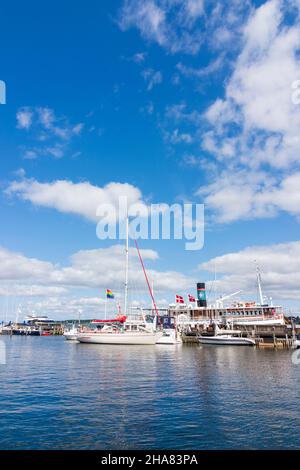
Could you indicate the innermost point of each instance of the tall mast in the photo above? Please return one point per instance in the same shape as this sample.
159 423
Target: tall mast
126 264
152 287
147 280
261 297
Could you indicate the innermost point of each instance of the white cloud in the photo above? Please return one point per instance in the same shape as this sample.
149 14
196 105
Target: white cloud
88 269
183 26
158 21
15 266
15 290
194 8
200 72
50 134
139 57
65 196
81 283
178 137
54 125
152 78
24 118
248 195
254 130
280 266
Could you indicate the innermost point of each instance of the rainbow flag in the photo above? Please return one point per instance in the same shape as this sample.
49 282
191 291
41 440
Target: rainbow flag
109 294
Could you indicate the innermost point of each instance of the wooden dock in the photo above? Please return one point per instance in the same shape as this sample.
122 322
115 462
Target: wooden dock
265 337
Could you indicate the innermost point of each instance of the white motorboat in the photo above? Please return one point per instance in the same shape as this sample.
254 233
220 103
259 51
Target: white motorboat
71 334
224 340
224 337
169 336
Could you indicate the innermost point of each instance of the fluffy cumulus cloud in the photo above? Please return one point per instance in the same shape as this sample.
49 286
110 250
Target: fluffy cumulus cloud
279 264
249 135
42 285
81 199
87 269
62 291
242 194
253 132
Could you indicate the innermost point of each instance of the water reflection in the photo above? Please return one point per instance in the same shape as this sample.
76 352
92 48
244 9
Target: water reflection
57 394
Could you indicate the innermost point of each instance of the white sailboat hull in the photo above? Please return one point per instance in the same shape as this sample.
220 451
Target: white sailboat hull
226 340
119 338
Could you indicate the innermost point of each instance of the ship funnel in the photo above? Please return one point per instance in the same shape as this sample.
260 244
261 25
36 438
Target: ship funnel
201 294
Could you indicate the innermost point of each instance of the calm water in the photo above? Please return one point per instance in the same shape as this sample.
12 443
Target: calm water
62 395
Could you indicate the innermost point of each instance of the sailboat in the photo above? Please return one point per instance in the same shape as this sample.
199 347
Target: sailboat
121 330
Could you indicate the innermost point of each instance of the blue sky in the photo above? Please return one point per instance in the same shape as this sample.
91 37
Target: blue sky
168 102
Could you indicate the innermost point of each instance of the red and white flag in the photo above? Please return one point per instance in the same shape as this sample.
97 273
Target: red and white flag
191 298
179 299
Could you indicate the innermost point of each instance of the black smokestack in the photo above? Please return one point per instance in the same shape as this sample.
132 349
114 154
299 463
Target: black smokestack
201 294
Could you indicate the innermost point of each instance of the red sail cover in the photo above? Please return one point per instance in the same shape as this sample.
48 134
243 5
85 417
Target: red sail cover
120 319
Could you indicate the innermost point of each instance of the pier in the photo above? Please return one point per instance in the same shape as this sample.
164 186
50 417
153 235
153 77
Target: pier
265 337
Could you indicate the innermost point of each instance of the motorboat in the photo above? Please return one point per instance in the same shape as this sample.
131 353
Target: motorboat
71 333
169 336
224 337
224 340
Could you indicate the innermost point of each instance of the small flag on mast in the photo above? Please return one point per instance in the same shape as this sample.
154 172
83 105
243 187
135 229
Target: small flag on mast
179 299
191 298
109 294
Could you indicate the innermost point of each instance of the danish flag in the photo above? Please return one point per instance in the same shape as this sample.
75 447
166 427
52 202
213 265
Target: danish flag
179 299
191 298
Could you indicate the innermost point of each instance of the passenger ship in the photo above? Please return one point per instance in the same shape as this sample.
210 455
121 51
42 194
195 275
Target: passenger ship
238 313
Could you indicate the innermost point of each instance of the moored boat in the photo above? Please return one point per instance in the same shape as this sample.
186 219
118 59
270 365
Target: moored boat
224 340
240 313
169 336
217 336
122 330
71 333
120 337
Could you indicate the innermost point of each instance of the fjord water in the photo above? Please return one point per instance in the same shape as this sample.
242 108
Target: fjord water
60 395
